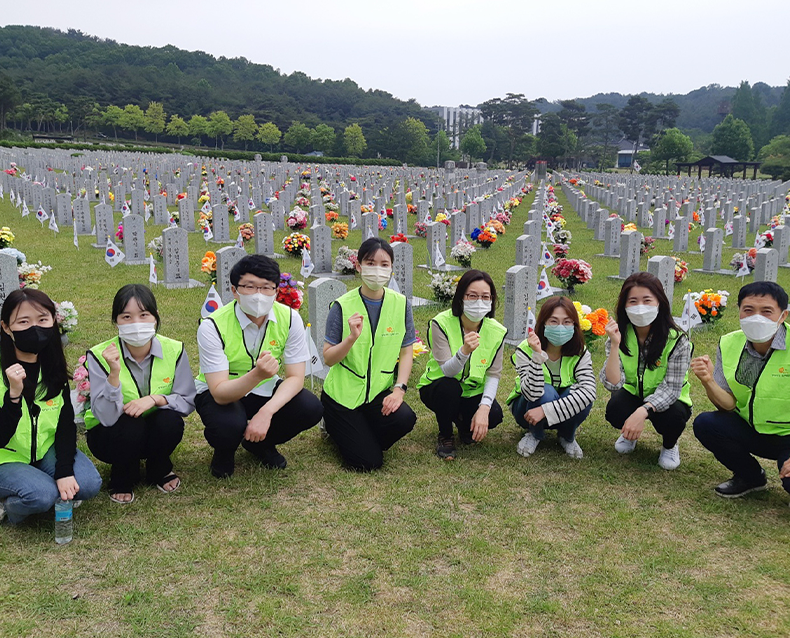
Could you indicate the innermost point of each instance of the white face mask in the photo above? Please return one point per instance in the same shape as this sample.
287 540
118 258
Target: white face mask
759 329
257 305
641 315
136 334
375 277
476 310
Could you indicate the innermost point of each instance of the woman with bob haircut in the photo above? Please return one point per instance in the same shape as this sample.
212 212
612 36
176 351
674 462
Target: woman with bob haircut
141 390
646 369
39 459
460 381
555 388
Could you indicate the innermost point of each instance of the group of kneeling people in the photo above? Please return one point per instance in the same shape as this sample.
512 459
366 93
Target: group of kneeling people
141 384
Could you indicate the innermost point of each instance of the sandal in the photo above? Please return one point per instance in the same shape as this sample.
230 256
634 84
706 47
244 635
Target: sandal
120 502
160 484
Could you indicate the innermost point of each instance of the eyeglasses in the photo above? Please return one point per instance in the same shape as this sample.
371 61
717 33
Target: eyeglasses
475 297
249 289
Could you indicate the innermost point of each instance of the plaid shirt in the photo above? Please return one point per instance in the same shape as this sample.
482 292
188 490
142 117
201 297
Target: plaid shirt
668 391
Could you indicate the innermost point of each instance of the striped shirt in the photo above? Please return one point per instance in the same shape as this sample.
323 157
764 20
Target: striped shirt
668 391
749 368
582 393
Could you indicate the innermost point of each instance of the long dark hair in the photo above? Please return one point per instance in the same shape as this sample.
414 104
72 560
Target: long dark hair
663 323
54 372
468 278
575 346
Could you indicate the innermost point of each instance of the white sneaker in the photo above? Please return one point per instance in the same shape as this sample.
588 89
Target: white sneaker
571 448
2 511
527 445
669 459
624 446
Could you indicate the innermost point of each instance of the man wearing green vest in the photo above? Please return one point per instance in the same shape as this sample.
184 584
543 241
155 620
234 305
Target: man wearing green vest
241 398
750 386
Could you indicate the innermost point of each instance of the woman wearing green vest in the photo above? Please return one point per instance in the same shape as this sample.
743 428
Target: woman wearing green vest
646 369
749 386
39 459
369 346
555 388
460 381
141 390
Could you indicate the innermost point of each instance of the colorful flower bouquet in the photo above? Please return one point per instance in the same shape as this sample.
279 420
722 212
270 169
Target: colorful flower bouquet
65 316
30 274
710 305
246 231
297 219
563 236
294 243
484 237
766 238
648 244
290 291
592 322
83 384
738 258
340 230
20 257
572 272
441 217
208 265
6 237
462 253
421 229
400 237
561 250
346 261
681 270
443 286
382 221
331 216
503 217
498 227
156 247
302 201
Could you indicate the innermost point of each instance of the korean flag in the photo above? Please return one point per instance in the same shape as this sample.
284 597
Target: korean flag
112 254
213 302
544 289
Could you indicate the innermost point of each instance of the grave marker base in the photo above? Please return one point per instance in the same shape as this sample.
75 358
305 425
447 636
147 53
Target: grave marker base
728 272
192 284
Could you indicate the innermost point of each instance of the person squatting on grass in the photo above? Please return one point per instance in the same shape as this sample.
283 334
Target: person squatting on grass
749 387
141 390
39 459
555 388
460 381
646 368
241 398
369 347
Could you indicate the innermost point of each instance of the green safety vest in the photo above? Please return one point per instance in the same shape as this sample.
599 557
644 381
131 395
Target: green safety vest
646 384
766 407
472 377
567 371
369 367
34 434
240 360
162 372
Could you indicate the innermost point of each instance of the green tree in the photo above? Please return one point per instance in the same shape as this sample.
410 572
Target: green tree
441 148
555 139
733 138
198 127
775 157
633 120
322 138
780 122
155 119
415 141
133 119
661 116
297 136
61 115
177 127
219 126
354 140
605 130
747 105
514 113
269 134
9 97
113 116
672 145
245 129
472 143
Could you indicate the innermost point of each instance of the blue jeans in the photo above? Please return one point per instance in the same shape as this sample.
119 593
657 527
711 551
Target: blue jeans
31 489
566 429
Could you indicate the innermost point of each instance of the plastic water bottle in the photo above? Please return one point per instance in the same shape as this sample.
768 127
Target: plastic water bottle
63 522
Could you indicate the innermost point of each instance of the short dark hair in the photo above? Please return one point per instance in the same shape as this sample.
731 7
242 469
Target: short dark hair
257 266
764 289
371 246
467 279
141 294
575 346
54 371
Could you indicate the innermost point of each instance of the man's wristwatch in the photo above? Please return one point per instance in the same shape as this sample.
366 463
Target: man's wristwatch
402 386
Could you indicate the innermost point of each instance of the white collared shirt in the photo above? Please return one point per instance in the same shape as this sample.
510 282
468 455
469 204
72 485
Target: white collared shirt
212 353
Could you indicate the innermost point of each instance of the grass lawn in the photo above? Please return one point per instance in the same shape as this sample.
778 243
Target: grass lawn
489 545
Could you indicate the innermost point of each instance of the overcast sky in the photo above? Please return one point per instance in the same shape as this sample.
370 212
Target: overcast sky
460 52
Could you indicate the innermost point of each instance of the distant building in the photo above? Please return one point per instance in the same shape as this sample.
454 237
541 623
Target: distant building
456 120
625 154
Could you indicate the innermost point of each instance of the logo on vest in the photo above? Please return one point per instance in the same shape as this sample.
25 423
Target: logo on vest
483 361
781 372
273 342
50 403
166 380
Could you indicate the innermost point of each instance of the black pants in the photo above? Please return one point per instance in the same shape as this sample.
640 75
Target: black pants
363 434
443 398
669 424
152 437
224 425
733 442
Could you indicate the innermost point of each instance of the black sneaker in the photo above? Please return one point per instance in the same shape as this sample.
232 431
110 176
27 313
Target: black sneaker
223 464
737 487
271 459
445 447
465 438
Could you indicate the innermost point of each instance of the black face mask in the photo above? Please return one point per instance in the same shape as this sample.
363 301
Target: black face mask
34 339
